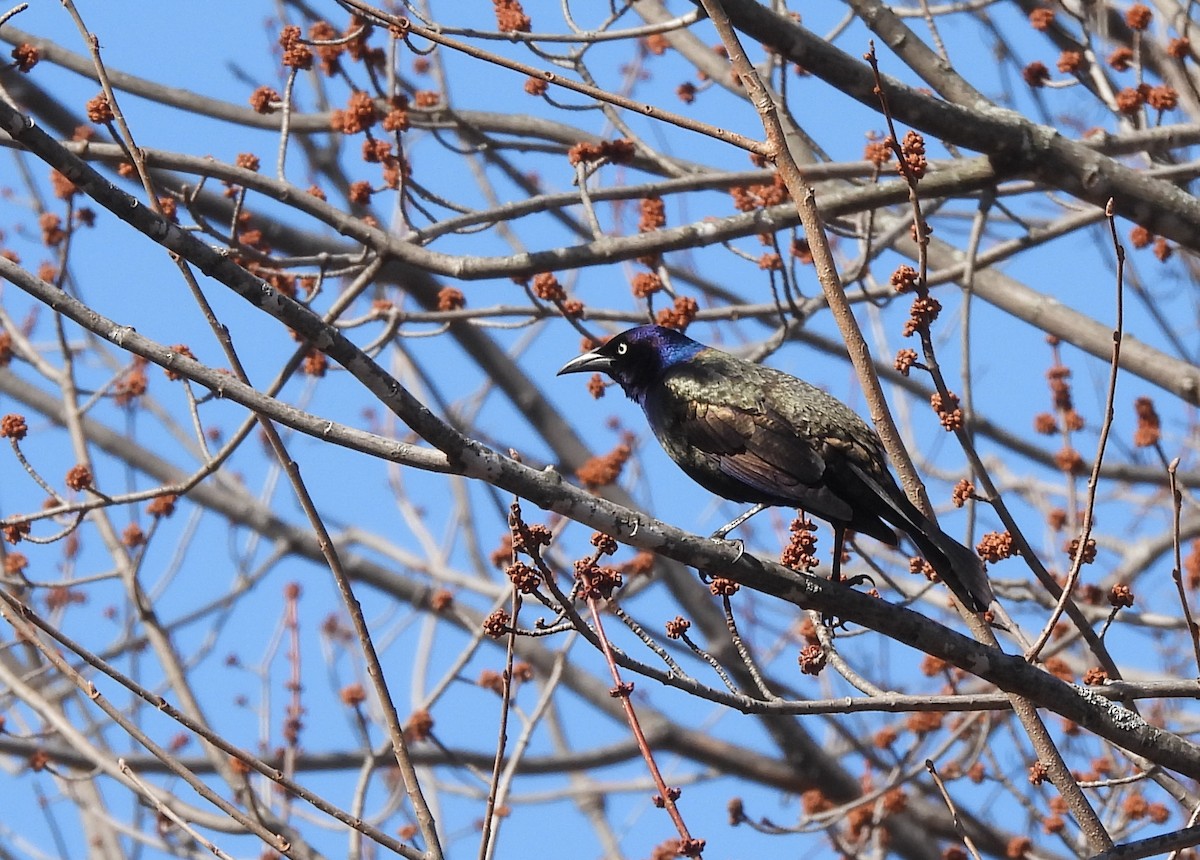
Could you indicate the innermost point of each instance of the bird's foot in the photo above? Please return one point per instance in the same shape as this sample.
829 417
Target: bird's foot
858 579
832 621
720 533
738 542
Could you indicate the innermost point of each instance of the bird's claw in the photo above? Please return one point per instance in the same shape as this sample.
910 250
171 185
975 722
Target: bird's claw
832 621
858 579
738 542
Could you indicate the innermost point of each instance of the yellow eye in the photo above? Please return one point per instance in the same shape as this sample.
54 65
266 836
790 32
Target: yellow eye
622 348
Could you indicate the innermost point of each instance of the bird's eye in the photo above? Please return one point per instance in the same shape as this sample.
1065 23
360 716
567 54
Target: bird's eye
622 348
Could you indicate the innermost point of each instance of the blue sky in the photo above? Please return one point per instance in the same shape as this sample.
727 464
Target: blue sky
222 52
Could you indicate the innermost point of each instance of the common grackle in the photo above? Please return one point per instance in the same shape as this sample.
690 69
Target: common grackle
754 434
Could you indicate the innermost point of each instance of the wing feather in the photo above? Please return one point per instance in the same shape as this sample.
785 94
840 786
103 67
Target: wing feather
740 447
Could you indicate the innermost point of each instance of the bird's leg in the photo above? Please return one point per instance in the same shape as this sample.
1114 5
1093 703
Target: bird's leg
839 543
839 549
720 533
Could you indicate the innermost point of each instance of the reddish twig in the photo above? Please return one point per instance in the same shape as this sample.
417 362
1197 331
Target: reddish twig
667 795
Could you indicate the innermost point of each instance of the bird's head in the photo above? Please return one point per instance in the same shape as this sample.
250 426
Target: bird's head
636 358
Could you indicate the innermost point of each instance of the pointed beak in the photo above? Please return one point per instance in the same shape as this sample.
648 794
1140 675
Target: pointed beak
589 361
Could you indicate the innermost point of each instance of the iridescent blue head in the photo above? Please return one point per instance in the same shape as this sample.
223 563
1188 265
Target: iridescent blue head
637 358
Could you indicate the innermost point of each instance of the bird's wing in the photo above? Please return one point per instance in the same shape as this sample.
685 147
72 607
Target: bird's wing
730 429
764 448
785 460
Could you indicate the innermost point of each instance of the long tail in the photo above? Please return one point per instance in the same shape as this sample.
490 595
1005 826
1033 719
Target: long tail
959 567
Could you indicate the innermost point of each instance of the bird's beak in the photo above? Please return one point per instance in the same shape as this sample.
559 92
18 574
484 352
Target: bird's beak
589 361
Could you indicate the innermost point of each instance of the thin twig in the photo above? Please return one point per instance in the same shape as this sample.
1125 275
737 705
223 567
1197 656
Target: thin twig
1089 510
1177 567
937 779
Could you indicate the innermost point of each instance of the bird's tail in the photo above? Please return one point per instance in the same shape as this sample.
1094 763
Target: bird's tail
958 566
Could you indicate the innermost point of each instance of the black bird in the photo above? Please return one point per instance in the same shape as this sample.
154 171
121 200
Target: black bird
754 434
